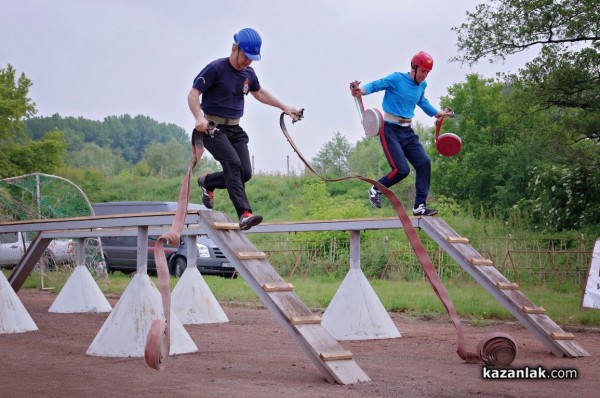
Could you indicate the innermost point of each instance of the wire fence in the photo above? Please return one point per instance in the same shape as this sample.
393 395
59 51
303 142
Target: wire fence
42 196
526 261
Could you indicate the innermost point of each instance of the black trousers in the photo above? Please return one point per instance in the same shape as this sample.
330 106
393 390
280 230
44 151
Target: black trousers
229 147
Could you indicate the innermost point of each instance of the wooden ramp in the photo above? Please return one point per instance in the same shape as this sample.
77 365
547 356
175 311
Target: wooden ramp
334 362
534 318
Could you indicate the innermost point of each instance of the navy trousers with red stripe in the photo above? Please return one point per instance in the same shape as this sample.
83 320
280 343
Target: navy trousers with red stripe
401 146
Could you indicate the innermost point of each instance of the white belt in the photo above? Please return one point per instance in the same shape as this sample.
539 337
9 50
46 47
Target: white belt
388 117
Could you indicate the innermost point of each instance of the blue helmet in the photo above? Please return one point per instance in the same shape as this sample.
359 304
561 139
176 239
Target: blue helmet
249 41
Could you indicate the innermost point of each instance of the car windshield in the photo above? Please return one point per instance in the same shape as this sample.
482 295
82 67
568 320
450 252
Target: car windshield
9 237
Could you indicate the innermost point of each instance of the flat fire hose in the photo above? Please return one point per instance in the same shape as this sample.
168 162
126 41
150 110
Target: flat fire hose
495 348
158 341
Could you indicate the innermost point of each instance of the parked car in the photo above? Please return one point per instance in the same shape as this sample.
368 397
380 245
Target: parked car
14 244
120 252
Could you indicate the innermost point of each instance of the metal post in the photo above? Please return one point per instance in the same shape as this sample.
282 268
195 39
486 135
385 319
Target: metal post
191 251
354 249
80 251
142 250
38 195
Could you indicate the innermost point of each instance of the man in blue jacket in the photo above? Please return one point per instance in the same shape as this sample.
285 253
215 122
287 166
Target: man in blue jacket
401 146
217 95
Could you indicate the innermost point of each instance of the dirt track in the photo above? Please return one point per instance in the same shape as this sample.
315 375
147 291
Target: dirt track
253 356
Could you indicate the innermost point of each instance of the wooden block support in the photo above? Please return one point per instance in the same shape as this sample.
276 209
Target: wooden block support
533 310
507 286
225 225
305 320
480 261
457 239
335 356
250 255
278 287
562 336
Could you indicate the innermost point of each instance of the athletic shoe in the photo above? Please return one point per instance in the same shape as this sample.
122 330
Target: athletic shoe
207 196
247 220
375 197
423 210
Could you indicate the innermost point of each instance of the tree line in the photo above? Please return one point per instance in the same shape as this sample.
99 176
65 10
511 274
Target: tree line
119 144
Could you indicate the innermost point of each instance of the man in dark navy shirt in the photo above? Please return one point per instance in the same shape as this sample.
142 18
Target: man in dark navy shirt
218 95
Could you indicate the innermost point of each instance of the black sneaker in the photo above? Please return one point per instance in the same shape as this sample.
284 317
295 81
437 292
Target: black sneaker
423 210
248 220
375 197
207 196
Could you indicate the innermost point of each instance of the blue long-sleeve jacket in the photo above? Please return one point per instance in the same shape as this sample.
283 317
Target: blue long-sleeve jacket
402 95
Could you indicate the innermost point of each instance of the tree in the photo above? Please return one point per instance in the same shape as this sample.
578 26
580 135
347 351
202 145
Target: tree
558 77
167 160
15 106
332 158
499 28
474 174
91 156
45 155
553 103
19 154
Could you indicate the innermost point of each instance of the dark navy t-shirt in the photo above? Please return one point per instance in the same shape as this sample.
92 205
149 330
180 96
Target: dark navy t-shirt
223 88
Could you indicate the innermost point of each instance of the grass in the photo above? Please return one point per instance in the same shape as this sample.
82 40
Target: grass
471 301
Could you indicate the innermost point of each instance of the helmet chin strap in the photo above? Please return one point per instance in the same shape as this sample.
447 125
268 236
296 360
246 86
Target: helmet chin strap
237 57
415 67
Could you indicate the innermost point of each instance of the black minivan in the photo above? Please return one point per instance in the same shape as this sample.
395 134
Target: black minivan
120 252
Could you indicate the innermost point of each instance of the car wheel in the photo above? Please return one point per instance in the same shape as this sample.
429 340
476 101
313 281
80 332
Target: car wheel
179 266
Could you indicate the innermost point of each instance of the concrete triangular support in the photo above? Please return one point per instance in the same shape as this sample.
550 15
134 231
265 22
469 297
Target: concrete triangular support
193 302
80 294
125 331
355 312
14 318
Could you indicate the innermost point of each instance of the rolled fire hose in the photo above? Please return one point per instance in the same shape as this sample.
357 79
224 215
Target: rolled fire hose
495 349
447 144
158 342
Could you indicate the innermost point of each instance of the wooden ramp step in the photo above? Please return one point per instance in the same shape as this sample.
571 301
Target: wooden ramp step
333 361
475 261
507 286
278 287
533 310
457 239
562 336
225 225
305 320
250 255
335 356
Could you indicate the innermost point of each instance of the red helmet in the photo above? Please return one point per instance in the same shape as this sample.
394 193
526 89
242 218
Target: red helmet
423 60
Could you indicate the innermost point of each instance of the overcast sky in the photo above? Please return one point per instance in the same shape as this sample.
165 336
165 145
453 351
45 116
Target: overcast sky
139 57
